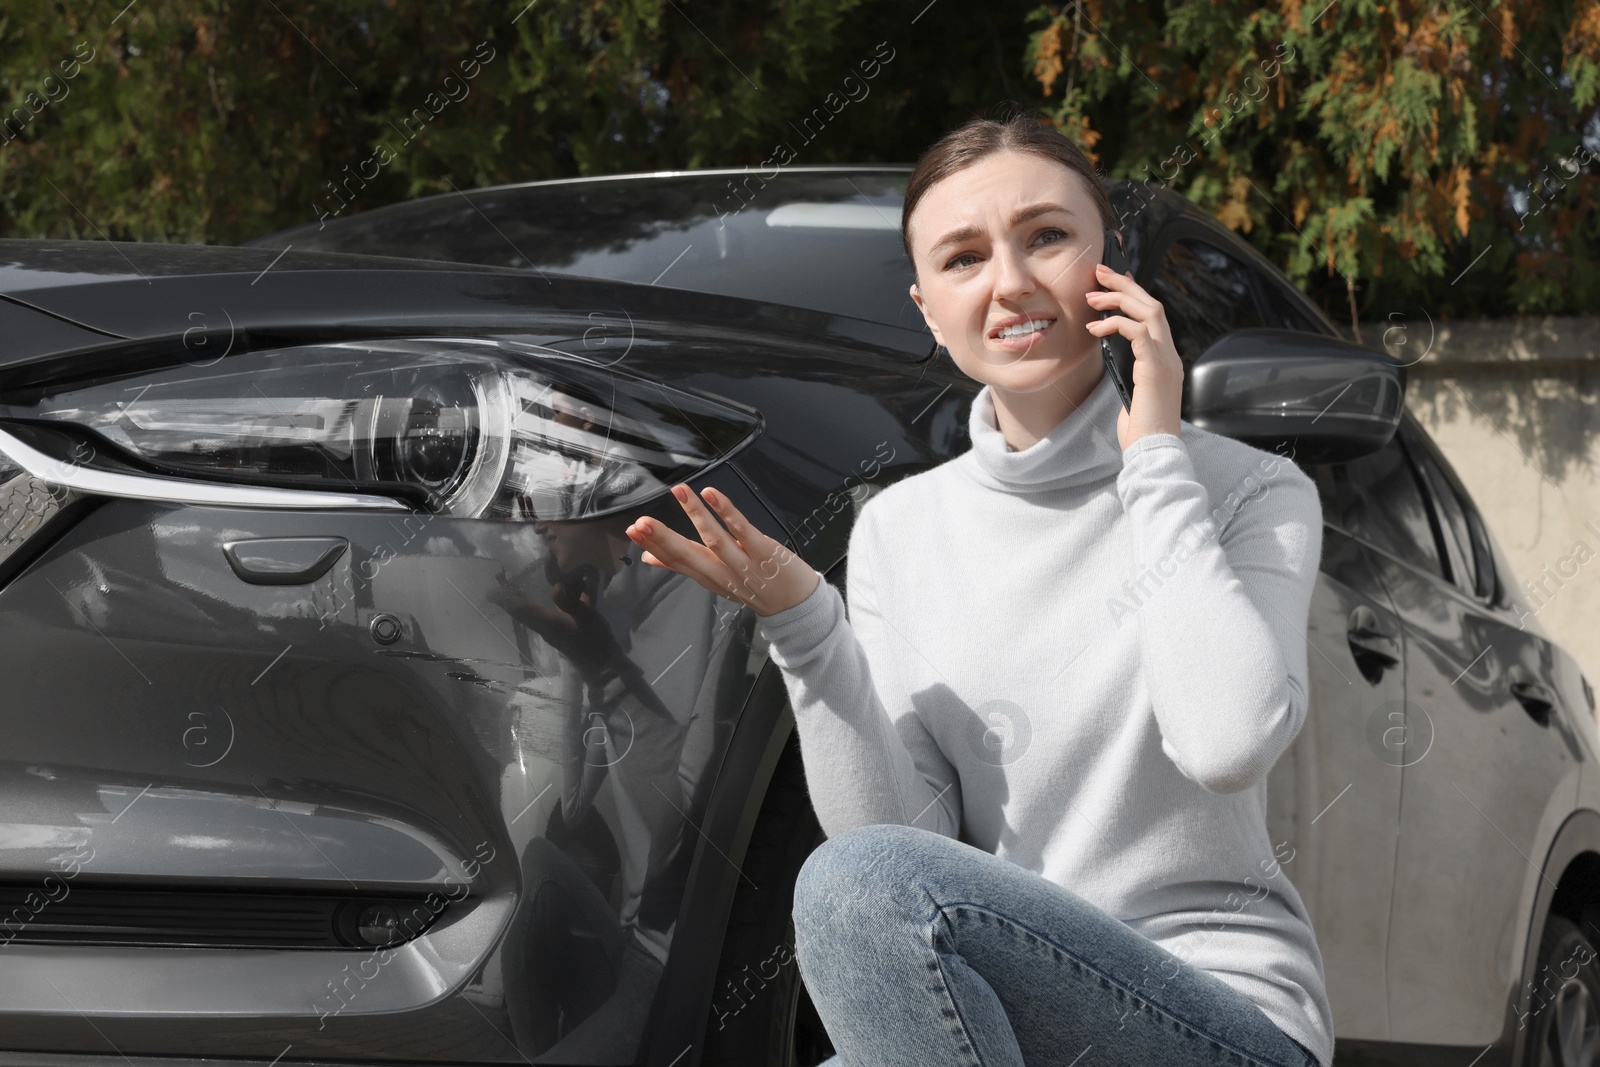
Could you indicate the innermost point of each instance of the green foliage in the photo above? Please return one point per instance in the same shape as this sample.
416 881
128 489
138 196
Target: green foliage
218 120
1396 144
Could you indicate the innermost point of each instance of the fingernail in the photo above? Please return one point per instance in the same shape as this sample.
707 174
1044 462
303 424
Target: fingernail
680 492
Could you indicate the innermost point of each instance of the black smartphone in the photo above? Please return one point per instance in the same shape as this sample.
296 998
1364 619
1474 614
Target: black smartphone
1116 349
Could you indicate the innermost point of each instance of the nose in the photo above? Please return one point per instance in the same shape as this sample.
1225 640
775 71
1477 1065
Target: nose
1013 276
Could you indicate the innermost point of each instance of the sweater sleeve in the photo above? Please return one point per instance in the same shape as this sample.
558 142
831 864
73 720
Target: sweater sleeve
1223 634
866 762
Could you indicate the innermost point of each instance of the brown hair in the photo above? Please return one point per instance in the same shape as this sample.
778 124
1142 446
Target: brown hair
971 142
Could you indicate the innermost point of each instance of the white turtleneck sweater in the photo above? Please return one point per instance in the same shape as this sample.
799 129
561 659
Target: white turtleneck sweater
1084 660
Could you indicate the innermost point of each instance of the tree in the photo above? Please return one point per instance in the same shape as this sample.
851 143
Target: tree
1385 154
218 120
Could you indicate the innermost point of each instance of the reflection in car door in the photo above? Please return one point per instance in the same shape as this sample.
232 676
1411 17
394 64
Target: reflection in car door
1331 795
1486 780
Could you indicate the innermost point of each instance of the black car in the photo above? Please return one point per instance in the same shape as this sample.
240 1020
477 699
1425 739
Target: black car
345 725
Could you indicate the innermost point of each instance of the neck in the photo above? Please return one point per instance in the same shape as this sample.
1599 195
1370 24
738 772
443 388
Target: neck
1080 450
1023 419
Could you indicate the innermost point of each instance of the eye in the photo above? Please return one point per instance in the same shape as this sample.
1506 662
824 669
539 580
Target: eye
1044 234
954 260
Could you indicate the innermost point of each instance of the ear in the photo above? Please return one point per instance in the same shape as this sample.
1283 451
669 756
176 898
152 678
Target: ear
916 297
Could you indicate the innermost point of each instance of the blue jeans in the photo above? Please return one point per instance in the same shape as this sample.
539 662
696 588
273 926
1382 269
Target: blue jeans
924 951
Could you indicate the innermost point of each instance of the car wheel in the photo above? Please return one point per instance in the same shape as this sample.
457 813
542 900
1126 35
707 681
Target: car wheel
761 1014
1565 1006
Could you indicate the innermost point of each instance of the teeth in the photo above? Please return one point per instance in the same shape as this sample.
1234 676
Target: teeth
1022 329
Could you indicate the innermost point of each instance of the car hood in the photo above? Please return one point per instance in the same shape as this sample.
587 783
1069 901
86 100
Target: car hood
56 296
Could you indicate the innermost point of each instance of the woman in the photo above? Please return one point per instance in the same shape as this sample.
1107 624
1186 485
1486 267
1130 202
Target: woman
1039 745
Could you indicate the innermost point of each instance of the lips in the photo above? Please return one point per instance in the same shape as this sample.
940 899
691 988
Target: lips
1018 320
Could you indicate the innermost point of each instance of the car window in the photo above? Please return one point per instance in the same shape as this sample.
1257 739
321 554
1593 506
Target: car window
1488 580
1377 498
1466 541
1206 293
1280 309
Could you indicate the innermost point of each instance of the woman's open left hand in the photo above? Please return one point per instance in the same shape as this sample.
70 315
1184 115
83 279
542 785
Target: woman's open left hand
1157 370
733 558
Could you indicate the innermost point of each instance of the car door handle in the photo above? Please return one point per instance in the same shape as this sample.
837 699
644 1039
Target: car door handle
1536 697
1367 640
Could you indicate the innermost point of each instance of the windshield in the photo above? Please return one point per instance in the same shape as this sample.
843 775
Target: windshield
827 241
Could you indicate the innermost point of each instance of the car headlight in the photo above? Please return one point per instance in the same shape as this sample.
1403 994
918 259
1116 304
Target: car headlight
26 505
457 426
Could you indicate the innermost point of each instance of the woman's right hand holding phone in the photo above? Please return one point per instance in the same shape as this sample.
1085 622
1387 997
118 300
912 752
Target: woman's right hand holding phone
740 562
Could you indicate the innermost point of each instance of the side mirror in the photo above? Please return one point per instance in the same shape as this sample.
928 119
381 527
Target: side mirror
1325 399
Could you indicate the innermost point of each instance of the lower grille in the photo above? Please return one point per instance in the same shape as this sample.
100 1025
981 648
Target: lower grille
211 918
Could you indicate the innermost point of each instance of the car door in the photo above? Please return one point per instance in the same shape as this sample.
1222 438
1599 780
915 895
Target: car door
1333 798
1335 794
1491 768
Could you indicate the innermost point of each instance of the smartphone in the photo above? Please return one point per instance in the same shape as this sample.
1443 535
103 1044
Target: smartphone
1116 349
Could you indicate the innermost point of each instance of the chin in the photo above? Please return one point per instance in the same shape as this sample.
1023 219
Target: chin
1025 374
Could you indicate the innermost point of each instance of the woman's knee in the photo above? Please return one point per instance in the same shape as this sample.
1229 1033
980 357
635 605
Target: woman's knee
832 878
860 869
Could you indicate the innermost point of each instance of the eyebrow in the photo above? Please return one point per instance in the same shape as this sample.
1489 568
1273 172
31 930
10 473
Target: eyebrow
967 233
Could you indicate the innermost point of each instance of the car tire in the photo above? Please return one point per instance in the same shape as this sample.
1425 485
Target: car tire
1564 1009
761 1014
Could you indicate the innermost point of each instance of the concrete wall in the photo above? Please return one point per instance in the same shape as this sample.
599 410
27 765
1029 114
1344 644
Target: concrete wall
1515 406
